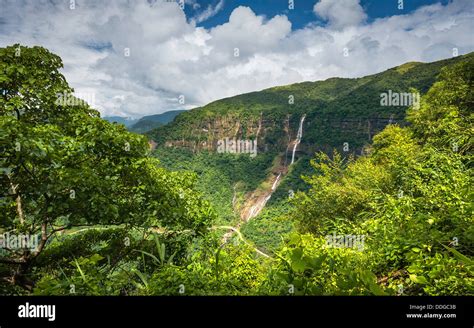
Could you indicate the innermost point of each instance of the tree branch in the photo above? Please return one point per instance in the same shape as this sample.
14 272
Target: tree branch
10 261
19 208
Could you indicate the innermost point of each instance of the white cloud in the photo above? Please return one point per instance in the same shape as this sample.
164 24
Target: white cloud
170 56
340 13
249 33
209 12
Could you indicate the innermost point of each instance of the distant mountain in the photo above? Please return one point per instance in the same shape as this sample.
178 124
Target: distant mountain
146 123
150 122
127 121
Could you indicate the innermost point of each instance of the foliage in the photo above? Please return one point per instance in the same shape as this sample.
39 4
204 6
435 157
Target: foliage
410 197
221 177
114 220
64 167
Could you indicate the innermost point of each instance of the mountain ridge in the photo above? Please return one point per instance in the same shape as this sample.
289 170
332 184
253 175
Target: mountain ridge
145 123
338 110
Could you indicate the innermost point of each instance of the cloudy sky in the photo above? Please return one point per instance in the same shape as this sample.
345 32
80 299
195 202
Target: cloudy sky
142 57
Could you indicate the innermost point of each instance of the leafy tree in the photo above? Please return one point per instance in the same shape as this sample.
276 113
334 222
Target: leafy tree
65 167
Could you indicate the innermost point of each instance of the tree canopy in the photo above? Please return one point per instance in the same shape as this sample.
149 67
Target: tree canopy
65 167
110 219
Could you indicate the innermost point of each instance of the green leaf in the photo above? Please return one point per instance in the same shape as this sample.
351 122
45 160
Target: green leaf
298 265
464 259
150 255
418 279
142 277
80 270
376 289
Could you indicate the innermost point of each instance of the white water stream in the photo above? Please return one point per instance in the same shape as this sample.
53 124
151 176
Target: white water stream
299 135
256 208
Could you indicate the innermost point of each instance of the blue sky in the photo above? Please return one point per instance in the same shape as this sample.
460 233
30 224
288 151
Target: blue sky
302 14
142 57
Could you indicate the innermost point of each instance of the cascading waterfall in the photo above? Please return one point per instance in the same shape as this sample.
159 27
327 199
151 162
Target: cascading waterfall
299 135
261 201
252 212
255 209
276 181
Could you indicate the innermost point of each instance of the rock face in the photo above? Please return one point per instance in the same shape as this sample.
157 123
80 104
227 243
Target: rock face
280 135
152 144
206 134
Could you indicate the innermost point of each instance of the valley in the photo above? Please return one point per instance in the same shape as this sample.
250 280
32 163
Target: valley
290 124
314 188
211 157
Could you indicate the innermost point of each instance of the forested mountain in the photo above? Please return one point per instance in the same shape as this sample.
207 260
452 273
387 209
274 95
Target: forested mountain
127 121
336 114
105 215
150 122
337 110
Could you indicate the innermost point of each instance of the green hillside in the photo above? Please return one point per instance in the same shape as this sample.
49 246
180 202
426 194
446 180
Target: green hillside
88 208
337 111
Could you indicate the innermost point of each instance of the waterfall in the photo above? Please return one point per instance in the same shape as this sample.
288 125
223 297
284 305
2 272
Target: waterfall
276 181
252 212
260 204
299 135
260 199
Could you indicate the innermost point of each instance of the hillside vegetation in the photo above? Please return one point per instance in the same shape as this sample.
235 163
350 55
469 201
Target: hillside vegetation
114 219
337 112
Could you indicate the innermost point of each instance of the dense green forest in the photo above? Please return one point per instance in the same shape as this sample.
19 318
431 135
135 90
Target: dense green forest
113 217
